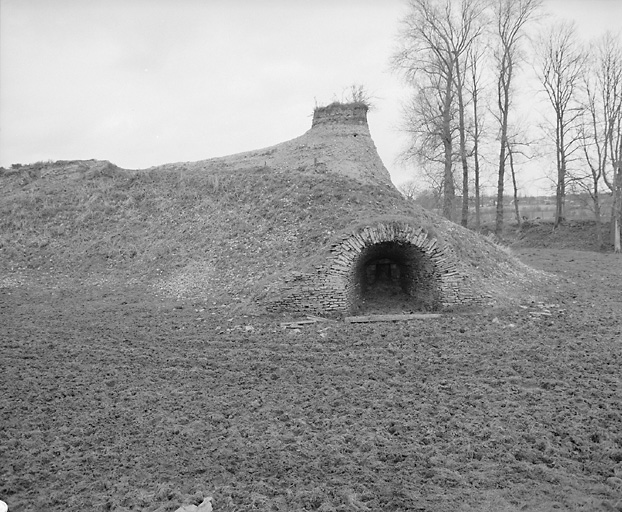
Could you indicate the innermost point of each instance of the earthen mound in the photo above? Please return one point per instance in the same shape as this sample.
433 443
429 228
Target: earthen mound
312 225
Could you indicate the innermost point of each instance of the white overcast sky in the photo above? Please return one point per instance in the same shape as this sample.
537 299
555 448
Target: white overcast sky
147 82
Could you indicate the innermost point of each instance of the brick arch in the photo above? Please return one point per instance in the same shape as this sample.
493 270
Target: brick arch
426 272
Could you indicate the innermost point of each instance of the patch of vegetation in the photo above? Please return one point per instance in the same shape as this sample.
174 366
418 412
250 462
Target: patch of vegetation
354 97
337 105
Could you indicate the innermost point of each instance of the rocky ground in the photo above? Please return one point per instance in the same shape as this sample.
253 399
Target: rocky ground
113 399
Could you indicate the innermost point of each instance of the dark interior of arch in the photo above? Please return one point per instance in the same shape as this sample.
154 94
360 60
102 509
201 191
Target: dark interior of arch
395 277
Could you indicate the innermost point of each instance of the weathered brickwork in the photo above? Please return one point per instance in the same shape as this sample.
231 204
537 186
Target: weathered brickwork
430 273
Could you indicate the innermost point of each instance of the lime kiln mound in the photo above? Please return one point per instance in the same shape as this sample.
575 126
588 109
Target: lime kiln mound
388 262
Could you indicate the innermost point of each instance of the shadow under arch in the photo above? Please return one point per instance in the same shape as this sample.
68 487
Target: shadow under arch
394 276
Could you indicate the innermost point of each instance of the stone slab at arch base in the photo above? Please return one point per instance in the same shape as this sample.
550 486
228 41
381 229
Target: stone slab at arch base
428 272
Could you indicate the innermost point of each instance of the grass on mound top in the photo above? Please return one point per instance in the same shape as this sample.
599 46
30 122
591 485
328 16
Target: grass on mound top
338 105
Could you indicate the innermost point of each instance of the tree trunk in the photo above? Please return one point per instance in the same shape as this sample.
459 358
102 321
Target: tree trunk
560 189
476 162
477 194
616 223
473 62
448 176
499 212
463 152
504 107
449 191
515 187
465 185
597 217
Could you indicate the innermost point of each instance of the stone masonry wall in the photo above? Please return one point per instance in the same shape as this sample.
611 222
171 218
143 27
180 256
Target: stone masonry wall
332 288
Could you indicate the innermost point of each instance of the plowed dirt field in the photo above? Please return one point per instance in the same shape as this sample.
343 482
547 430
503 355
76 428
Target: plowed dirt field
113 399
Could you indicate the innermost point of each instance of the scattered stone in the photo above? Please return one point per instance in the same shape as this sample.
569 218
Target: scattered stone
205 506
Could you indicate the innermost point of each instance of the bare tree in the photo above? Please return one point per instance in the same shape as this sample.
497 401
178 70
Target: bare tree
459 77
436 36
418 193
602 133
510 19
474 56
464 58
594 145
410 189
423 121
560 71
610 77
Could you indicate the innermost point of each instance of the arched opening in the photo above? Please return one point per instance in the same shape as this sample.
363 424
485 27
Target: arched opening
395 277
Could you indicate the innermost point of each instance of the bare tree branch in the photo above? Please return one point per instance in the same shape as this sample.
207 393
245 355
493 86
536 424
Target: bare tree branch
436 35
561 66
